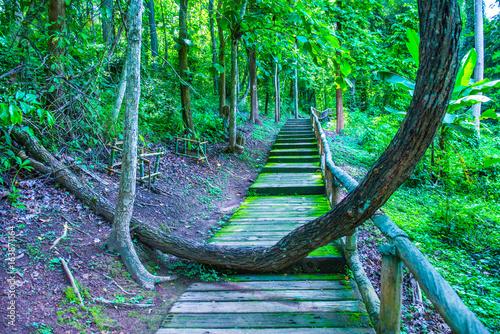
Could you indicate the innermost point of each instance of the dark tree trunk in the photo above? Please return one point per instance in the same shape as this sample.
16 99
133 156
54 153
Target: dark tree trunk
222 62
187 114
152 33
213 40
254 109
108 22
164 30
266 111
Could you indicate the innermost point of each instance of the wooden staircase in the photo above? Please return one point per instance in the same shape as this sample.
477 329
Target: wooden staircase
317 298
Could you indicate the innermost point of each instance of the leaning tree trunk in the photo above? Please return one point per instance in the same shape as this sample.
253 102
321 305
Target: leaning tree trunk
222 62
440 29
187 114
254 105
117 105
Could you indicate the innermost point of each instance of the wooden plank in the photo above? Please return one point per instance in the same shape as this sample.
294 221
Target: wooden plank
265 331
266 307
323 285
284 295
267 320
287 277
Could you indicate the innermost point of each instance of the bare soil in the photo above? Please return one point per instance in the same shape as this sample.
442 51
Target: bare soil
195 200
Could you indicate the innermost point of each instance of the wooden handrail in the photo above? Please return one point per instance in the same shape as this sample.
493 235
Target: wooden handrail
438 290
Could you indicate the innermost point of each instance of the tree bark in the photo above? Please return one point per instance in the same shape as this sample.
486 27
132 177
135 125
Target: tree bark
164 31
222 61
119 239
187 114
440 30
108 22
339 102
254 105
235 36
120 93
213 40
277 99
153 34
479 70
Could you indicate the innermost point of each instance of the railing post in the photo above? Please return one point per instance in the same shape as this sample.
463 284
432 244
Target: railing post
391 290
351 241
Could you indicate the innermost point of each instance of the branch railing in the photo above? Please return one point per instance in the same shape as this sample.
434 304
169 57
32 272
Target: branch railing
385 313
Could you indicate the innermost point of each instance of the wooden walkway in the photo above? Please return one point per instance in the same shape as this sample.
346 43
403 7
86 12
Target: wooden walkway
317 299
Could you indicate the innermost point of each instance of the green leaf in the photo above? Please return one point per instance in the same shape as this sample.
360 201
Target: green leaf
449 118
345 68
460 128
396 79
485 87
302 39
394 111
488 161
467 101
219 68
188 42
466 68
490 113
16 115
413 45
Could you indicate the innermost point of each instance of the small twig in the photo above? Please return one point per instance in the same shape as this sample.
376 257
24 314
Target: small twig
128 293
109 302
147 204
74 226
65 233
71 280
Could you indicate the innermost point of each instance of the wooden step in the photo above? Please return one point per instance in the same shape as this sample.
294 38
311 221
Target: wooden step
288 184
294 152
291 167
276 304
291 158
308 139
294 145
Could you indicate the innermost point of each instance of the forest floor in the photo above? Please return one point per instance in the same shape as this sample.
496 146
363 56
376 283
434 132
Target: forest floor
197 199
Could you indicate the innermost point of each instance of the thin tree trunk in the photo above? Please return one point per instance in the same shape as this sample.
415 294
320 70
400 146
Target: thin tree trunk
233 96
222 61
479 70
153 34
254 105
108 22
164 30
213 41
266 111
120 93
277 111
187 114
339 103
119 240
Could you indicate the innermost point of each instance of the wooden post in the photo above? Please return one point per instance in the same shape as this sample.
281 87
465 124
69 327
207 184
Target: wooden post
390 290
141 164
112 159
157 163
351 241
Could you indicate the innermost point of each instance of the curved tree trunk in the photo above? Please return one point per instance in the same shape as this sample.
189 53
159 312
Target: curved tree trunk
440 29
277 97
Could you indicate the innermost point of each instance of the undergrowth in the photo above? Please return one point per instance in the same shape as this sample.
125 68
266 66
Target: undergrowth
449 207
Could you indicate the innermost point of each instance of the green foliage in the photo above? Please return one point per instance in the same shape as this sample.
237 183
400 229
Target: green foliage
197 270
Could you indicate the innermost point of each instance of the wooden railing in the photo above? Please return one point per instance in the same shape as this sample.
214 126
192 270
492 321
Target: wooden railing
385 313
